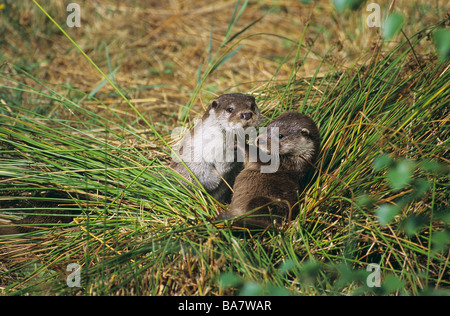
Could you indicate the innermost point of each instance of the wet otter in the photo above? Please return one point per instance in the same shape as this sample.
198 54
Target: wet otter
209 149
269 197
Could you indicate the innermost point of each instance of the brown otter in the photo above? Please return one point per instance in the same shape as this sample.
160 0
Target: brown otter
269 197
209 149
30 223
42 210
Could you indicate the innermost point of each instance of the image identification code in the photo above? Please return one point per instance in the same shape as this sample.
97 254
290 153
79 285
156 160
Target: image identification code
238 305
246 305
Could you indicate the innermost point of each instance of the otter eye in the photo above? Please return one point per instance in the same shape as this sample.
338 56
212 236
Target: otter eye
280 136
229 110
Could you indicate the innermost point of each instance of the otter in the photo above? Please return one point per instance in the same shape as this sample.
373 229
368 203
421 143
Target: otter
209 149
30 223
41 212
270 198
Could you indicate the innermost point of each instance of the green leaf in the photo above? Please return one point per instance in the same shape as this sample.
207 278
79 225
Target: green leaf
287 266
421 187
392 284
382 162
401 175
342 5
392 26
441 39
229 279
274 290
252 288
443 216
309 270
430 166
365 201
440 240
413 224
348 275
386 213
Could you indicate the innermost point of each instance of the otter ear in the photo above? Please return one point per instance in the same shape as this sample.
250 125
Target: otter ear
214 104
305 132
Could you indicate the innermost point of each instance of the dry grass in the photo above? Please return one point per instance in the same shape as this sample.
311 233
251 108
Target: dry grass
163 44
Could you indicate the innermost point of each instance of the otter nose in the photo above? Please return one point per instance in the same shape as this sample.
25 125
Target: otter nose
246 116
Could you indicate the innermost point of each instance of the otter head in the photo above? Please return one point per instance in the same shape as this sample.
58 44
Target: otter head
292 134
234 111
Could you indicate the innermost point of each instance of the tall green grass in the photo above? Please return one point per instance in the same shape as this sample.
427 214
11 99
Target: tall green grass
138 229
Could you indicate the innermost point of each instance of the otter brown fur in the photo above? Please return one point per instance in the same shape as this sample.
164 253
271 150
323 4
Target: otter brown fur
42 210
274 196
206 146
